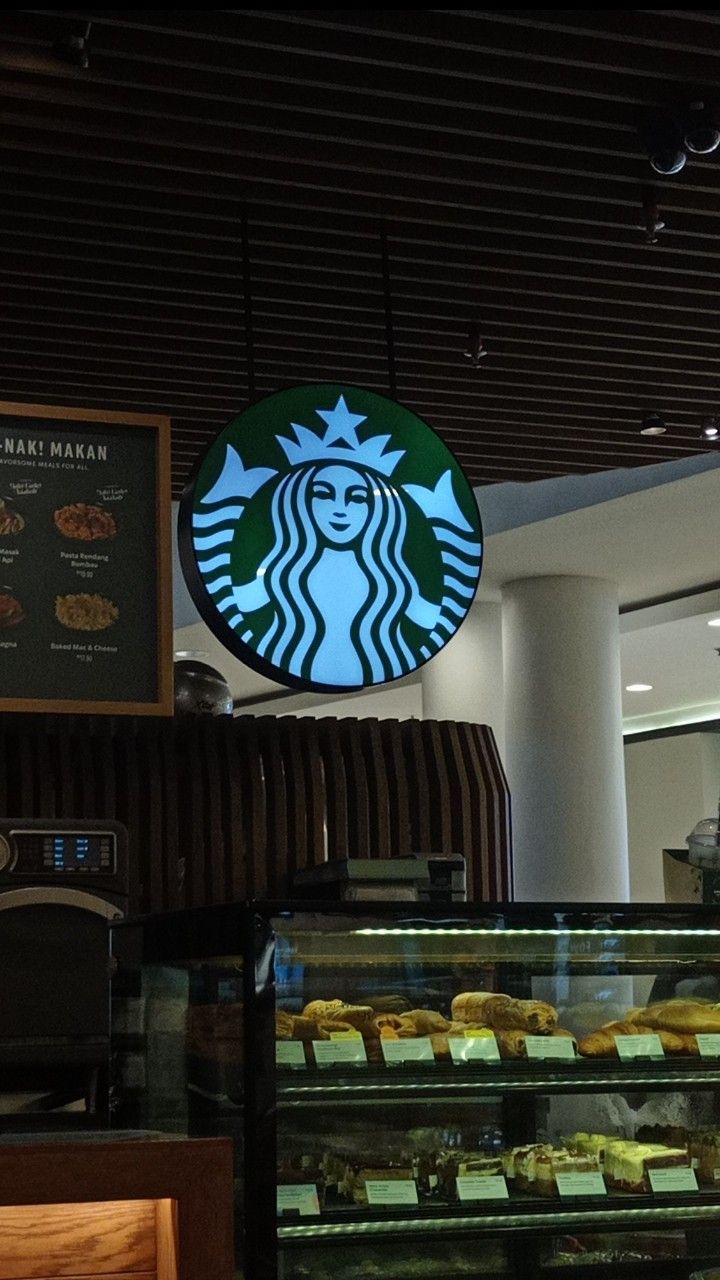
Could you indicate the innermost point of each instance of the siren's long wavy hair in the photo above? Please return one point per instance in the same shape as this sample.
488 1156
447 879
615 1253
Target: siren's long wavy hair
297 629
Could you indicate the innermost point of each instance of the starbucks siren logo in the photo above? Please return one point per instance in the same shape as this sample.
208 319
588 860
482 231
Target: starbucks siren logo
336 552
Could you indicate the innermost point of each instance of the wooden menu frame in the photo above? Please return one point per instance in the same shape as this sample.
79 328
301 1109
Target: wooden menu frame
160 425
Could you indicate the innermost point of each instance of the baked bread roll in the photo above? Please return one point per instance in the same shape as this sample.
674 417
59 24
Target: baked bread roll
503 1013
422 1022
306 1028
283 1025
441 1046
357 1015
511 1044
387 1020
686 1017
467 1007
321 1008
390 1004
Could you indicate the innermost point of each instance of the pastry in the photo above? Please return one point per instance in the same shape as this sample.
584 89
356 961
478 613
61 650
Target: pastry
628 1164
321 1008
425 1021
512 1043
524 1161
355 1015
283 1025
601 1044
549 1163
389 1004
387 1022
440 1045
685 1017
468 1006
503 1013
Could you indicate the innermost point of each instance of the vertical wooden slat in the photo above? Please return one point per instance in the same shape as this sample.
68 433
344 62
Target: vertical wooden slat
398 789
459 783
213 824
256 826
418 786
316 799
380 838
288 732
275 882
358 800
336 789
232 792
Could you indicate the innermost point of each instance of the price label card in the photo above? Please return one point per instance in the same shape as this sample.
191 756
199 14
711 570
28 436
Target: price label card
345 1035
480 1187
290 1053
330 1053
544 1048
399 1051
673 1180
581 1184
709 1044
474 1048
300 1198
402 1191
647 1046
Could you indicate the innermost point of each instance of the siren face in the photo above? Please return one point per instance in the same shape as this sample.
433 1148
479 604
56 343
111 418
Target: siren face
330 539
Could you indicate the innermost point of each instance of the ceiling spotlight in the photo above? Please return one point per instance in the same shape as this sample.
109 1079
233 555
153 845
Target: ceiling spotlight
702 134
476 348
710 429
638 688
651 223
652 425
663 139
73 49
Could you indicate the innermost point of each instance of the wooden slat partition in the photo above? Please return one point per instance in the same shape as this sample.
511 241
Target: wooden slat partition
219 810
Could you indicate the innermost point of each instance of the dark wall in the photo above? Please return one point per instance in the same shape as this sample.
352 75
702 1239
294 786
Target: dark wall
225 809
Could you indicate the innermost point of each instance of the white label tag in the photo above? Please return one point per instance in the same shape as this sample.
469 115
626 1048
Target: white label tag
581 1184
329 1052
673 1179
300 1198
647 1046
419 1050
709 1044
290 1053
402 1191
479 1187
474 1049
541 1048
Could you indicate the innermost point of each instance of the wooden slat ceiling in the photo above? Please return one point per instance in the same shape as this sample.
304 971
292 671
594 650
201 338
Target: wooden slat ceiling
498 149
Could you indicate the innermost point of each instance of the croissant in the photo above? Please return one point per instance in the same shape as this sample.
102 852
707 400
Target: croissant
601 1043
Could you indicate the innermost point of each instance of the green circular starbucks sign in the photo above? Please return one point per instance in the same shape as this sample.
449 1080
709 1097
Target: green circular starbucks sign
330 539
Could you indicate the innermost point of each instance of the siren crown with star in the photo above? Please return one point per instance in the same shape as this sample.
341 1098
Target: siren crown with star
340 442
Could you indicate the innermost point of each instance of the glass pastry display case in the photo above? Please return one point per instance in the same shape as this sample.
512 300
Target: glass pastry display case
467 1091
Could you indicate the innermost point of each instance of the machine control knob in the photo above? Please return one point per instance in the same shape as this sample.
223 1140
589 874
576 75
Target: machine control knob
5 854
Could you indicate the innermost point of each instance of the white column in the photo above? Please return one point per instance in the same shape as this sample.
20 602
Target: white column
564 746
465 680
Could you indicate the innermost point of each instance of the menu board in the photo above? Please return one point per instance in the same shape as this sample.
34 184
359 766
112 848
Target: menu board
85 590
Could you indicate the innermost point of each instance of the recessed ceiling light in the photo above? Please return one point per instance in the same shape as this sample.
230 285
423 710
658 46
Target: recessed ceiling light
638 688
714 622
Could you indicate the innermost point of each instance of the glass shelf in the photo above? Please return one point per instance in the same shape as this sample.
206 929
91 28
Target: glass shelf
544 1216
